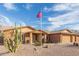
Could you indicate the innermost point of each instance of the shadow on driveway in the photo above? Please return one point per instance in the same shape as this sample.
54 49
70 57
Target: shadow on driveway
4 53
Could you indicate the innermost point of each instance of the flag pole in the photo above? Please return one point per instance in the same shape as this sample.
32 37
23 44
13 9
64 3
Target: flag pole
39 15
41 27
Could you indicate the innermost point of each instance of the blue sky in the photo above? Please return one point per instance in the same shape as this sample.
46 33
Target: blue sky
56 16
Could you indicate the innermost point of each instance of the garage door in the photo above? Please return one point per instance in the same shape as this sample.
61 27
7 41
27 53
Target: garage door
77 38
65 39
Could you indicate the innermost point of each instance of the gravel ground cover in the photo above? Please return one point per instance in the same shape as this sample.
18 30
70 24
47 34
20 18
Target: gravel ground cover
52 50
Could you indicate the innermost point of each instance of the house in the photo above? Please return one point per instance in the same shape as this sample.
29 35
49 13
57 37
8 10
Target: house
63 36
29 34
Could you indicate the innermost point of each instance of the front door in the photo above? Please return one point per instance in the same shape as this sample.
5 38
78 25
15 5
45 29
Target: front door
23 39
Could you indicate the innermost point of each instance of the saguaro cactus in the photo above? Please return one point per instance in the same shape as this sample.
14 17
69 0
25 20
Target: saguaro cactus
13 43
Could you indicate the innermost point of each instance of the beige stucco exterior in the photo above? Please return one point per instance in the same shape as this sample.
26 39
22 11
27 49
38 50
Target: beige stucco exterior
63 36
77 38
29 34
73 38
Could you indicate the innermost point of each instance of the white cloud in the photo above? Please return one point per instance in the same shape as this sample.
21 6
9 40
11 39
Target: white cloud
62 7
5 21
52 27
63 20
67 7
47 9
9 6
75 27
28 6
66 18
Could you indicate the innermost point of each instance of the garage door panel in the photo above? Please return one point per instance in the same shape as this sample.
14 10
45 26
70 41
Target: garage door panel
65 39
77 38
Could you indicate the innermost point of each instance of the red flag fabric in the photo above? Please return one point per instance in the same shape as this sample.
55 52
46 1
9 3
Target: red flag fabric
39 15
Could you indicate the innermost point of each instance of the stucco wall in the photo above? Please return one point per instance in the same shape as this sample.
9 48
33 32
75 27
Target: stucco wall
54 38
9 33
73 38
66 39
77 38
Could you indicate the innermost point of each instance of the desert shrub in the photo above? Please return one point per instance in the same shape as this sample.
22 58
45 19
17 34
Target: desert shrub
46 46
1 38
37 43
76 44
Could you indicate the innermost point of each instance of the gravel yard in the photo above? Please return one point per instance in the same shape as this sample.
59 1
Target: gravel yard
52 50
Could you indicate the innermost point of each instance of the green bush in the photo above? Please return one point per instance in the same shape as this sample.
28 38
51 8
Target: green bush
37 43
